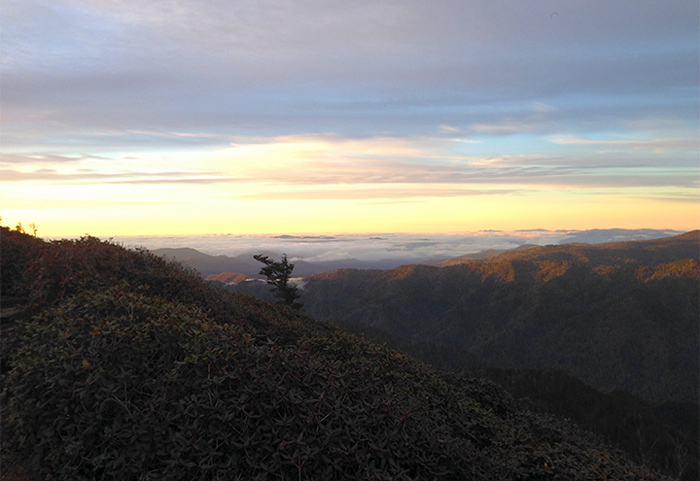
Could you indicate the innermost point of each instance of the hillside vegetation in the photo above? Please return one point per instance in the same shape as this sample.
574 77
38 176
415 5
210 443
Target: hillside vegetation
618 316
119 365
663 436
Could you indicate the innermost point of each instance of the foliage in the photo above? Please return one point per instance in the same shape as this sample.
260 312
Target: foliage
662 436
278 274
17 250
149 373
618 316
645 431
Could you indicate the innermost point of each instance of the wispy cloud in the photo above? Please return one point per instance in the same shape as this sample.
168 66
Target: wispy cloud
44 158
56 177
506 126
188 135
333 161
658 146
393 193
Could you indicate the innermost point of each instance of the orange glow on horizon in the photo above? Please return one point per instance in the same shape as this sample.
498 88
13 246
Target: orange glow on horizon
418 215
329 184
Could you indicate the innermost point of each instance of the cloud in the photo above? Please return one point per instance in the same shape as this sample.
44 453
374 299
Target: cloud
688 198
403 247
53 176
543 107
60 204
388 192
382 162
507 126
44 158
350 67
327 166
658 146
187 135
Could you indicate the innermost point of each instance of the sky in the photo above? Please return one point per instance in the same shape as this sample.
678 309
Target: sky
135 117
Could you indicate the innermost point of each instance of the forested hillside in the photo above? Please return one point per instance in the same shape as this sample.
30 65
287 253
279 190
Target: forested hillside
618 316
119 365
663 435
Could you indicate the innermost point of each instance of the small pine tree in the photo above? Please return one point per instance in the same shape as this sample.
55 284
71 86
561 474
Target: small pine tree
278 274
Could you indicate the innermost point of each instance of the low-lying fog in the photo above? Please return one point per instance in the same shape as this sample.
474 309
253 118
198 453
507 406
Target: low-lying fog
374 247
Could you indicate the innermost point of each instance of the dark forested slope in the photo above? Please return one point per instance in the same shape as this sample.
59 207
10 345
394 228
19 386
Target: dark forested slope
618 316
119 365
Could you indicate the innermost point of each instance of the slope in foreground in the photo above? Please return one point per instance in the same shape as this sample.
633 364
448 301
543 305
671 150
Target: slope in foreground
122 366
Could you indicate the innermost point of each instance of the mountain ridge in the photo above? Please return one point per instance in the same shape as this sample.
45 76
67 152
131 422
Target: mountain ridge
587 309
208 264
684 246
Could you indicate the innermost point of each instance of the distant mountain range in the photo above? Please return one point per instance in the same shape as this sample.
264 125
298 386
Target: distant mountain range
601 236
208 265
477 255
618 316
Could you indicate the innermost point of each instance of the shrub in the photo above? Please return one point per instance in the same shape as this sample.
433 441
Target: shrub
17 251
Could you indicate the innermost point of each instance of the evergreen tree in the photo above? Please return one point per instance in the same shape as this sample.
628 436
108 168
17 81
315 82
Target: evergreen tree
278 274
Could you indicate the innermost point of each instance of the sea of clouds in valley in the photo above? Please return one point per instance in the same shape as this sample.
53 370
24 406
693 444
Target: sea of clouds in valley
384 246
